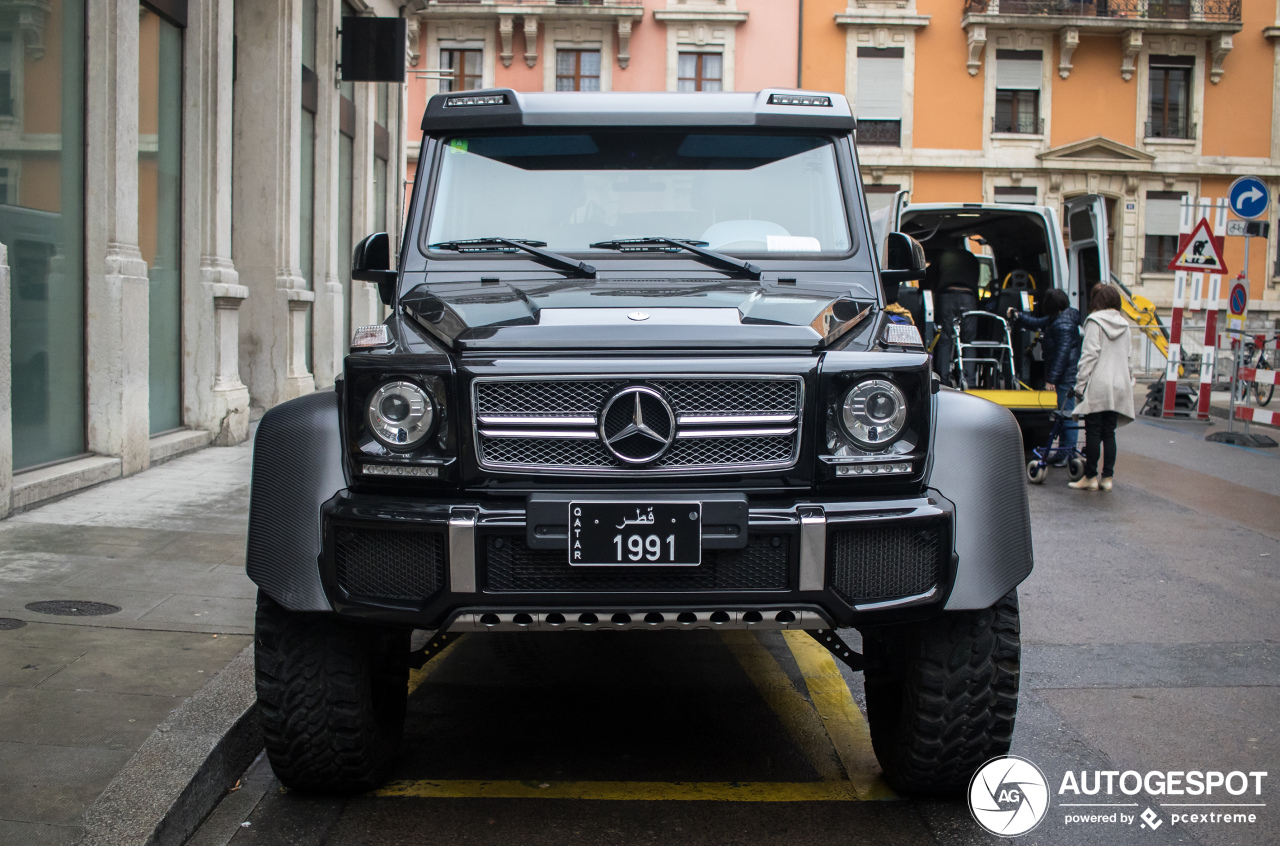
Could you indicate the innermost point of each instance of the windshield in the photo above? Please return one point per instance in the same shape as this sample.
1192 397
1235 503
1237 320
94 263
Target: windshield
738 193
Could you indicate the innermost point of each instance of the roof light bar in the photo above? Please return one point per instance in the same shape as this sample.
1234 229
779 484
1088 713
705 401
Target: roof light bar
485 100
798 100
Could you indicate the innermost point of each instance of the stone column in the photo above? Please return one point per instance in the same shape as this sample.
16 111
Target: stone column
214 398
117 290
6 390
267 198
366 308
327 332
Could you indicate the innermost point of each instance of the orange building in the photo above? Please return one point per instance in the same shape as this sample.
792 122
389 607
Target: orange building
598 45
1024 101
1034 101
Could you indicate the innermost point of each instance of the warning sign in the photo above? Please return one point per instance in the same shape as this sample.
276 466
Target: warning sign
1200 252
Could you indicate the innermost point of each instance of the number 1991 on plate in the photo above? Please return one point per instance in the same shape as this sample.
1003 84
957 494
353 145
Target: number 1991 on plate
635 534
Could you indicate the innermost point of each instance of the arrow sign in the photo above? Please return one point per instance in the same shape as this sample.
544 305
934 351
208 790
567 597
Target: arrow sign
1249 197
1200 252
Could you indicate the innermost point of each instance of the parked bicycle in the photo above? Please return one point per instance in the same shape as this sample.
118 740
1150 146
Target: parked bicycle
1254 354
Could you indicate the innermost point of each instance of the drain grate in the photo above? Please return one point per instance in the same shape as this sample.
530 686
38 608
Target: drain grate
9 624
72 608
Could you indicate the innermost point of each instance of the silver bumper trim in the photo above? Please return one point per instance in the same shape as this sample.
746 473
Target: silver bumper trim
813 548
462 550
632 619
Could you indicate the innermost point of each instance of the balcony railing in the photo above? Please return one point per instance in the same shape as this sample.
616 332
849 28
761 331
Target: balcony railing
1170 129
1158 10
535 3
1024 126
879 133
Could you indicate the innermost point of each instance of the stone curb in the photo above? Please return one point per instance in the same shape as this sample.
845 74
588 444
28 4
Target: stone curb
184 768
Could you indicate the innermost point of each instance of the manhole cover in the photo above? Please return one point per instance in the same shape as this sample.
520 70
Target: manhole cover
72 608
8 624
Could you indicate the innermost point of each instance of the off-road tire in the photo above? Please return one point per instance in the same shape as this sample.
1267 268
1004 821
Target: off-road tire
942 696
331 698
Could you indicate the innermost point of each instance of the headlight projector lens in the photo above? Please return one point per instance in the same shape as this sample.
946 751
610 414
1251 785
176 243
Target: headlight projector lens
874 412
401 414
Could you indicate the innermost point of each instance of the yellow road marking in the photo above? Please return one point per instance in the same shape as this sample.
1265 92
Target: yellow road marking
798 718
613 791
418 676
840 714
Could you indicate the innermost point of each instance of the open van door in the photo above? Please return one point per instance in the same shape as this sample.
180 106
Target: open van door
1088 259
886 220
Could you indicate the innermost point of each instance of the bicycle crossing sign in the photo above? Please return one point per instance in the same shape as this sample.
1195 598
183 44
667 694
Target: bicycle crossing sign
1200 252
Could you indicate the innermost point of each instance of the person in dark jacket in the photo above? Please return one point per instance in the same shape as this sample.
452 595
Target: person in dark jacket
1060 342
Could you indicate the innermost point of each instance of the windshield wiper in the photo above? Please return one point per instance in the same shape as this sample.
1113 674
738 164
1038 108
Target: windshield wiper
717 260
510 245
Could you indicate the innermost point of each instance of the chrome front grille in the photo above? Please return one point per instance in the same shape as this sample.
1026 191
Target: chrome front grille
722 423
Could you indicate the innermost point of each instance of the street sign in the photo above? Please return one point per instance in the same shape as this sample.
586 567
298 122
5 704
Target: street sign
1237 306
1238 301
1235 228
1249 197
1200 252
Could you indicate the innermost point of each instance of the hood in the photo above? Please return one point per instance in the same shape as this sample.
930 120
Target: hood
1111 322
629 313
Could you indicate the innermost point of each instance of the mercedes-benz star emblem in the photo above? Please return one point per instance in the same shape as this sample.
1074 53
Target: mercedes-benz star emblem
637 425
638 315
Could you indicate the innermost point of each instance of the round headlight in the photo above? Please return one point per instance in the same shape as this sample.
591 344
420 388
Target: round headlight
874 412
401 414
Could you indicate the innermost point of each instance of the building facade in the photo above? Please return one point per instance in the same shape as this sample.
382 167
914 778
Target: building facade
181 183
1033 101
1027 101
598 45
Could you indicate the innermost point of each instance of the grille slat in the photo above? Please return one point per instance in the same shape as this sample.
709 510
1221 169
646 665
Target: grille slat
763 565
885 562
389 564
703 397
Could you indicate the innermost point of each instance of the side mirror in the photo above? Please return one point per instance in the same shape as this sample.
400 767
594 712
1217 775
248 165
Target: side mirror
371 262
903 261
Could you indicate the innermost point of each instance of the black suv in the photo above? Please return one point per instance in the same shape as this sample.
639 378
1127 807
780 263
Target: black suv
638 373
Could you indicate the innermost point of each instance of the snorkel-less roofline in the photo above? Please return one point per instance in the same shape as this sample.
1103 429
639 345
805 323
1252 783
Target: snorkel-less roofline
499 108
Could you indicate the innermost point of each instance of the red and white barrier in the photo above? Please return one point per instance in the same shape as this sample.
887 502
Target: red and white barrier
1209 354
1257 415
1265 377
1188 291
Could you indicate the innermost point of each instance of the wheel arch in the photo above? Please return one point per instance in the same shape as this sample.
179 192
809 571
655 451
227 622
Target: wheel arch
977 465
297 467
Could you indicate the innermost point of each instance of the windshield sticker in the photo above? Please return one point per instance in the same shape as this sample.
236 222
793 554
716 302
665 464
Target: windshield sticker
458 145
792 244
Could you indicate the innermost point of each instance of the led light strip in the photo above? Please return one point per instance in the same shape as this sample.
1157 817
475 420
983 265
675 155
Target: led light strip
896 468
399 470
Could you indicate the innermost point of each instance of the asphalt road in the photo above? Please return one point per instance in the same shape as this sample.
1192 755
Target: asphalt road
1151 642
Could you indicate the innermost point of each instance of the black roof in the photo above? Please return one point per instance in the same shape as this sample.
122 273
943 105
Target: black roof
502 107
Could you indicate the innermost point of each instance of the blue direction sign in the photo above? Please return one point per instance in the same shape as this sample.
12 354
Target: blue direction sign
1249 197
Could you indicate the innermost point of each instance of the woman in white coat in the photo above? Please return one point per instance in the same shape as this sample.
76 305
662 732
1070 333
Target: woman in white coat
1107 385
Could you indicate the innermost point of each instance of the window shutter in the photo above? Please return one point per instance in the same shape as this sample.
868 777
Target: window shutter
1163 215
879 88
1018 70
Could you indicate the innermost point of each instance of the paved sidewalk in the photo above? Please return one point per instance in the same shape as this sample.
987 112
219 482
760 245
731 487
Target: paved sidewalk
80 694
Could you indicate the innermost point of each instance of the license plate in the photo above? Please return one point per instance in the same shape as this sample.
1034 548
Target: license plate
635 534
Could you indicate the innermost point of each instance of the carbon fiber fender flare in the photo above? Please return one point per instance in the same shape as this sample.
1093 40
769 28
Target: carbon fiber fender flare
297 466
978 466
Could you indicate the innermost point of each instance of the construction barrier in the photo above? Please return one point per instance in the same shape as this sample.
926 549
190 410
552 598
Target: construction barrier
1185 283
1257 415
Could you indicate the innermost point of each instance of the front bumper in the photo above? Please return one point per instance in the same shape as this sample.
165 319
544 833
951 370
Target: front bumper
464 566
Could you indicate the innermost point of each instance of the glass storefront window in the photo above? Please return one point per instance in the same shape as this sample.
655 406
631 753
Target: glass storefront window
159 208
42 224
